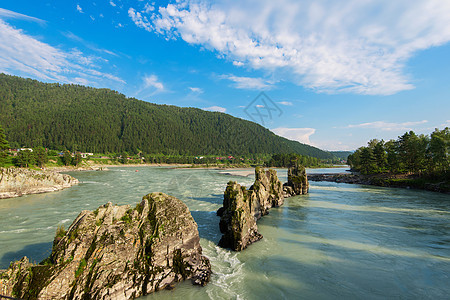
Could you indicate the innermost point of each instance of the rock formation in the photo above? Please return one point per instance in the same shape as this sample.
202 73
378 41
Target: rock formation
297 181
115 252
15 182
242 207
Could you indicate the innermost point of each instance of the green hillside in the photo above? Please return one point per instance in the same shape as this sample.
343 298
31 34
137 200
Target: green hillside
102 120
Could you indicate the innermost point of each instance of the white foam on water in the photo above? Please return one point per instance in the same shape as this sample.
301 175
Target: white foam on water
228 271
14 231
65 221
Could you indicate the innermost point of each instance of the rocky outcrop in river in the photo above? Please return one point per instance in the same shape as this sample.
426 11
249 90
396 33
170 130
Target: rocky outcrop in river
15 182
115 252
297 181
242 207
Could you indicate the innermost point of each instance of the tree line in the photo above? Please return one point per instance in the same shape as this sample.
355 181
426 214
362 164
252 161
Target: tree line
410 153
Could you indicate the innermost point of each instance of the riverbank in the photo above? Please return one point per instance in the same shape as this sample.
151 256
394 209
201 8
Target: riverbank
15 182
441 185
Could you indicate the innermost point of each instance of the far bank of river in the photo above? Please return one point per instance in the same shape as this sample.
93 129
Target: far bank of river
397 181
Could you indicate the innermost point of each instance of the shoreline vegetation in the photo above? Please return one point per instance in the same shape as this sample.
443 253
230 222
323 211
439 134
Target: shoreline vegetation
408 181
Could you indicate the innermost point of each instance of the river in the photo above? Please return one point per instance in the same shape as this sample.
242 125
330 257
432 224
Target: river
339 241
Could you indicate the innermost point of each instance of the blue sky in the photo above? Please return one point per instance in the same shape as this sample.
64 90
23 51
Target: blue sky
337 73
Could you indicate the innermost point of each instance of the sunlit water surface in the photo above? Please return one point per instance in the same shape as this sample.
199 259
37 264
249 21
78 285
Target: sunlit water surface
339 241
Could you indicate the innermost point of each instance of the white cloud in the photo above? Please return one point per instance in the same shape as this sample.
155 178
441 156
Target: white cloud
286 103
4 14
196 90
80 10
216 108
238 63
139 19
248 83
148 8
23 55
297 134
152 81
328 46
388 126
112 3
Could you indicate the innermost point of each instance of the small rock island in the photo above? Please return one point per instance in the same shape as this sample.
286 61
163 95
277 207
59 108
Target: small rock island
15 182
242 208
115 252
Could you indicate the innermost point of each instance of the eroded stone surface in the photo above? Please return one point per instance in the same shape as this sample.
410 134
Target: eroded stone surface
242 207
297 181
15 182
116 252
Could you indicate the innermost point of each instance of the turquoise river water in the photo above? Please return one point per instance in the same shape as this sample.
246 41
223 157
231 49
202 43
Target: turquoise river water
340 241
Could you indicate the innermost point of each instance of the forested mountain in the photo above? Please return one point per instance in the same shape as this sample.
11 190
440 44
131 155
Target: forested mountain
101 120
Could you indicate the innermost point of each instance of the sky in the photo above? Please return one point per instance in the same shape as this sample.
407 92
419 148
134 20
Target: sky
333 74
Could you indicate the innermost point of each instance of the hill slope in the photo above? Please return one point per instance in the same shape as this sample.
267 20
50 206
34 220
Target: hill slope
101 120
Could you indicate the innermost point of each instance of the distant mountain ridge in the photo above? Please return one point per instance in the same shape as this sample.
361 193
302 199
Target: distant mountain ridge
88 119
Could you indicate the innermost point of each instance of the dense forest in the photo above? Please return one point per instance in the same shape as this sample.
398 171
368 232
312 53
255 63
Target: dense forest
410 153
79 118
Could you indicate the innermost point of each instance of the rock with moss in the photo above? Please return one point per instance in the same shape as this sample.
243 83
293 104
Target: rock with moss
237 223
297 181
15 182
116 252
242 207
266 192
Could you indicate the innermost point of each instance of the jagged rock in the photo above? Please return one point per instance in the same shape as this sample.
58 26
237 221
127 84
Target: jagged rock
242 207
15 182
237 223
266 192
297 181
116 252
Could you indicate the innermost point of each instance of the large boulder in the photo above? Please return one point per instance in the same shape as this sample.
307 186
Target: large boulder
116 252
297 181
242 207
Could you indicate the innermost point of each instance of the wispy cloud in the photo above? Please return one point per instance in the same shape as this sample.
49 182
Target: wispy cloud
5 14
152 81
196 90
388 126
216 108
286 103
297 134
80 10
112 3
87 44
328 46
23 55
248 83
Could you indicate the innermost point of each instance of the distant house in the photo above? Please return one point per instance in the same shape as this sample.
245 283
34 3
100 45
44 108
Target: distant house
14 151
23 149
85 155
